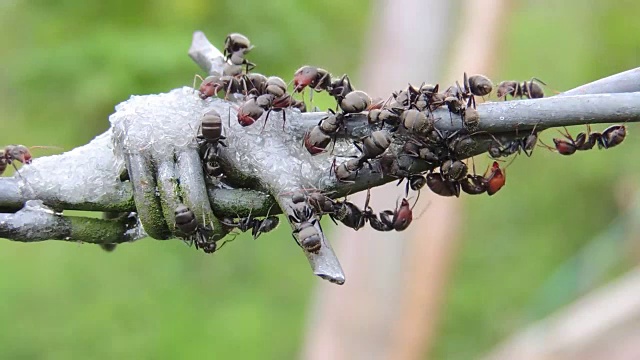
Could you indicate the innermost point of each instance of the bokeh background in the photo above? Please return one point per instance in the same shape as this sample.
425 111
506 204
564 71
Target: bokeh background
560 228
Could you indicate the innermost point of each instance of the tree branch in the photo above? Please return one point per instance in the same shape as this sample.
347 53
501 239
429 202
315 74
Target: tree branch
264 165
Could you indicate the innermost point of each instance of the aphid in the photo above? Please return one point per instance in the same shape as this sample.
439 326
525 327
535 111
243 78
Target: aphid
316 141
185 220
355 102
235 43
495 177
249 112
316 78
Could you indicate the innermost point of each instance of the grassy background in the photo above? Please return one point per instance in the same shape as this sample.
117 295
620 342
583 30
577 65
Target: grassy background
65 64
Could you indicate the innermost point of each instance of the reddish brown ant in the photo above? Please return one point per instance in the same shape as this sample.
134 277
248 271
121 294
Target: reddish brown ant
19 153
400 218
495 178
313 77
610 137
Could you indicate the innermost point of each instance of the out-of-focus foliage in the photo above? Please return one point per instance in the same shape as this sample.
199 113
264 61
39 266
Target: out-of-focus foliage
552 205
64 65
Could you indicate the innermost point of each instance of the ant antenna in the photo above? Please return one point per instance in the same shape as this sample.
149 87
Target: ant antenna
194 82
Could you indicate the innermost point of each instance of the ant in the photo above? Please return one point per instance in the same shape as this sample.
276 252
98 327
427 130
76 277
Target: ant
256 226
529 89
612 136
398 219
525 144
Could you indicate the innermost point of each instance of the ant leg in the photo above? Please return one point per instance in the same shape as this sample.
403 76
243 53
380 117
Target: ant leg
284 118
265 120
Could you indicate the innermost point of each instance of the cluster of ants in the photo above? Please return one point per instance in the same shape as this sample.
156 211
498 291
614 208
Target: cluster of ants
406 118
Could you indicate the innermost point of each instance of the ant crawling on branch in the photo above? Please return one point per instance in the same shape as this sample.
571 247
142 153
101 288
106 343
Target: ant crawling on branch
612 136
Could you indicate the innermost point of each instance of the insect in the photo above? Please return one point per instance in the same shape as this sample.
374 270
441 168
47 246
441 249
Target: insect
211 129
530 89
355 102
255 83
313 77
441 186
185 220
525 144
347 169
13 153
398 219
256 226
316 141
453 170
495 178
236 43
375 144
610 137
349 214
270 102
417 122
249 112
474 184
321 203
415 182
478 85
340 88
275 86
305 227
389 116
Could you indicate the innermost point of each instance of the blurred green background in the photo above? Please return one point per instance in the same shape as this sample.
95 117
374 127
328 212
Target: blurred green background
64 65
